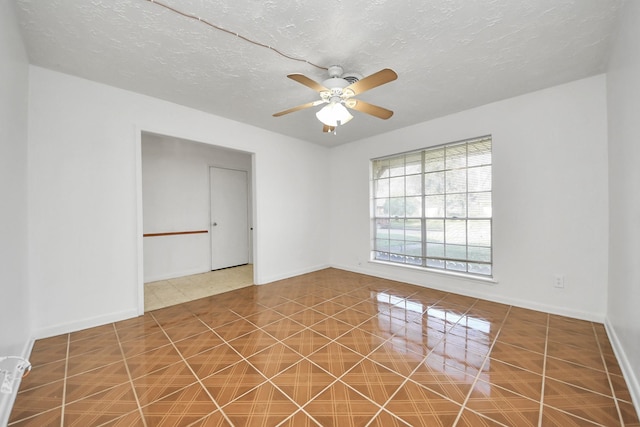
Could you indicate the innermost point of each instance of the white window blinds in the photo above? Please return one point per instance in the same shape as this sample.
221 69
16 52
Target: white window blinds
432 208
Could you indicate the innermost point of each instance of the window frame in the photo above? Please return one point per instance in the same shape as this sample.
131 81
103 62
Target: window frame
477 263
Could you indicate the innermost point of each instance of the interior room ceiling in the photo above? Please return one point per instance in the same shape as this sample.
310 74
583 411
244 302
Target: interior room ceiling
450 55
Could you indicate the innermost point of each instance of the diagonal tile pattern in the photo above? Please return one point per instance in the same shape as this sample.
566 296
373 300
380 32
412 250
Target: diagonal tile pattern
329 348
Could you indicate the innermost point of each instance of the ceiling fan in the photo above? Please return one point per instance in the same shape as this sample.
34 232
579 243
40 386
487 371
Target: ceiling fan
338 92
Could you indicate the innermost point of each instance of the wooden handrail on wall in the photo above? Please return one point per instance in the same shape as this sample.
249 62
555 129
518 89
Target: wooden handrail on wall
175 233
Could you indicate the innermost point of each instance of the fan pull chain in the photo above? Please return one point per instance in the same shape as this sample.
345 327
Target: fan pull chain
216 27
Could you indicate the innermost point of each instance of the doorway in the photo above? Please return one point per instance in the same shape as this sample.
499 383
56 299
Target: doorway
175 205
229 217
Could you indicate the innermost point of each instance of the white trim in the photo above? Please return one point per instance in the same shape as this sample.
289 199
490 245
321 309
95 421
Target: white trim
633 382
175 274
7 400
447 273
266 280
79 325
551 309
139 222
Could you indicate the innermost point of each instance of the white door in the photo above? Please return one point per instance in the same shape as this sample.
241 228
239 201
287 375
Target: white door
229 218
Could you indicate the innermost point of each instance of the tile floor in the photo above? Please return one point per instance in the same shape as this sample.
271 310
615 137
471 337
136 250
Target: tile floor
165 293
330 348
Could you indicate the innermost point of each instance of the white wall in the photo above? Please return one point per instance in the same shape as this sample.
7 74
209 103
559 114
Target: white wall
84 161
623 84
175 195
549 198
15 324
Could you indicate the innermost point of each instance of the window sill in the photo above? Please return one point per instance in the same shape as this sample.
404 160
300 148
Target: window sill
451 274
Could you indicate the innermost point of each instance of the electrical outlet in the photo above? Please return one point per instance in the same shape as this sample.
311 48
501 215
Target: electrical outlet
558 281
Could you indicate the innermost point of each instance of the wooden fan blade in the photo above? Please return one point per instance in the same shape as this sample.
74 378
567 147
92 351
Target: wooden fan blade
365 107
374 80
327 128
298 108
302 79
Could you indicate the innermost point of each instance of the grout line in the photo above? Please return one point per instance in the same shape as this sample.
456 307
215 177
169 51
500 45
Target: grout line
477 377
544 373
64 385
606 369
198 380
126 366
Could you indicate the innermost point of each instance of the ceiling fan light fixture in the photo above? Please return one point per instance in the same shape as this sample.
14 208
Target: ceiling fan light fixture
334 114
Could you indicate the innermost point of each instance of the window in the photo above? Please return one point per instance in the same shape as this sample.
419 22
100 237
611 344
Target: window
432 208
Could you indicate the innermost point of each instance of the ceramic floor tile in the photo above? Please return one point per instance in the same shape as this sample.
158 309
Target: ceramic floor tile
230 383
48 355
502 405
50 418
396 357
418 406
512 378
306 342
265 405
303 381
326 348
101 408
472 419
145 343
274 359
519 357
216 319
104 343
444 380
264 318
198 343
235 329
578 375
555 418
373 381
213 360
341 406
44 374
620 387
186 329
95 381
580 402
352 317
589 357
331 328
252 343
460 357
335 358
151 361
308 317
215 419
629 414
385 419
283 328
163 382
299 419
36 400
132 419
289 308
360 341
181 408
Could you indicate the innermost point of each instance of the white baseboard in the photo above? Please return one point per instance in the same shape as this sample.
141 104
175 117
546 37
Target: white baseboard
174 274
269 279
633 382
435 284
7 400
79 325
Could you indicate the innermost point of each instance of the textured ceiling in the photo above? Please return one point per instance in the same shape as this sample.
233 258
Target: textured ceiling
450 55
